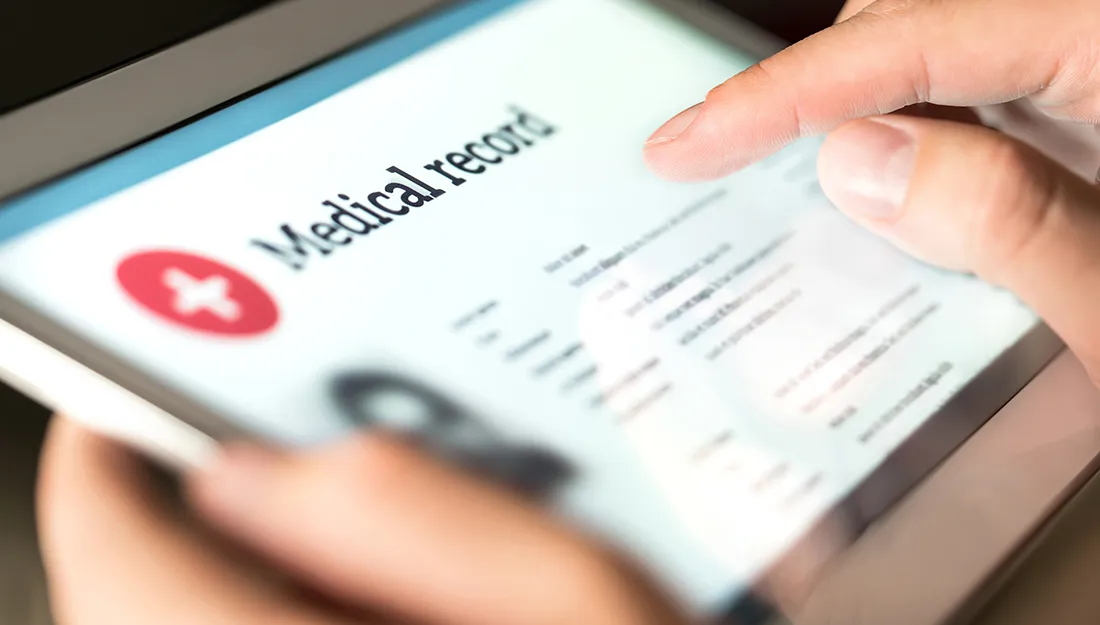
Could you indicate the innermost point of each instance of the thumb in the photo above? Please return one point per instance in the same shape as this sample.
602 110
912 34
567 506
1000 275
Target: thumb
970 199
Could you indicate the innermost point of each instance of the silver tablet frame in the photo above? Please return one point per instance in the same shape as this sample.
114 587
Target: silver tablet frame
904 567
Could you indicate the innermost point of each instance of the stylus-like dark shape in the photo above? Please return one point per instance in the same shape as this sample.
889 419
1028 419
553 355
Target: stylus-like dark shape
398 404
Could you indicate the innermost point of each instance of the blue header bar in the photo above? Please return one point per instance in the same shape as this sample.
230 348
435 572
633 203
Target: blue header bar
235 122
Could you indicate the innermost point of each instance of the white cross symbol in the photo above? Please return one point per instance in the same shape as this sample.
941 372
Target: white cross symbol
194 295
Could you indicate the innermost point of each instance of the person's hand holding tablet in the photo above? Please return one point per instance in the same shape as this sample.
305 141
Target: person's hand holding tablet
369 526
378 529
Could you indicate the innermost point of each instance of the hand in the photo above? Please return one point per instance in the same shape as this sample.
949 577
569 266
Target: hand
964 197
381 533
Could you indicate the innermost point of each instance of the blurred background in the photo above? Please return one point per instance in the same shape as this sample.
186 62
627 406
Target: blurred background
47 45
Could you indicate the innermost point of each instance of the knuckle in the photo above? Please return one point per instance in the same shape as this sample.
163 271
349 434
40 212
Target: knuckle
755 77
768 76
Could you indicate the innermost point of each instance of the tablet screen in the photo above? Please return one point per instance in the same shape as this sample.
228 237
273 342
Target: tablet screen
450 232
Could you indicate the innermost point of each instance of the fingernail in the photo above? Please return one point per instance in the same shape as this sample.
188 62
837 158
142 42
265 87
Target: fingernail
237 478
866 167
674 127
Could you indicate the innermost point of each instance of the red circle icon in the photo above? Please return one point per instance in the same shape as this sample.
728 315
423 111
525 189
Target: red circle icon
198 293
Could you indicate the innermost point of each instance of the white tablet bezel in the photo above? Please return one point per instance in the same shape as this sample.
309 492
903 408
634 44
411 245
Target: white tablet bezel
925 561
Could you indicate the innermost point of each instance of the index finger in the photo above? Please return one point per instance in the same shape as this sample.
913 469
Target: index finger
893 54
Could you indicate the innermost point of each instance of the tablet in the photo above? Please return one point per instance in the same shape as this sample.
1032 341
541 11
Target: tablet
434 219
